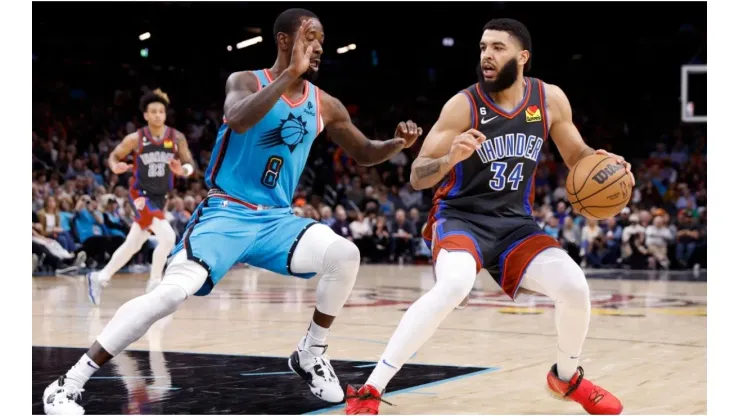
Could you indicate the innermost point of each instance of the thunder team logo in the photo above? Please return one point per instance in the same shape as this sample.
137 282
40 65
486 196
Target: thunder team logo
291 133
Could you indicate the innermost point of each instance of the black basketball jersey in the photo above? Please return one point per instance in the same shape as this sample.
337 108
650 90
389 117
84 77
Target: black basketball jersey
152 173
498 180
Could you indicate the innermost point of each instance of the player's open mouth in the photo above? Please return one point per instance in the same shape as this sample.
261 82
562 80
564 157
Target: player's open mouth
315 64
488 70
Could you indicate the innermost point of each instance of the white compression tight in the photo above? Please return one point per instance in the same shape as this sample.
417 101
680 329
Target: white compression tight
551 273
319 250
134 240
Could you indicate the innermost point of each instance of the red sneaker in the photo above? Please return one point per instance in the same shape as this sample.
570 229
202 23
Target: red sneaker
594 399
365 401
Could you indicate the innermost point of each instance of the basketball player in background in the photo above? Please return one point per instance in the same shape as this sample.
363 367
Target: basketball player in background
159 152
487 142
272 116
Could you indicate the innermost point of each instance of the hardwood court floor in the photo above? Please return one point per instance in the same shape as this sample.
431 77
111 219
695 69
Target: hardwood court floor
647 344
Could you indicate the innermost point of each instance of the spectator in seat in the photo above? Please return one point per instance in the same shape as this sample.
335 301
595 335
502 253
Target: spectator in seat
381 239
657 238
51 222
362 233
402 232
570 239
552 227
687 238
341 225
613 241
326 217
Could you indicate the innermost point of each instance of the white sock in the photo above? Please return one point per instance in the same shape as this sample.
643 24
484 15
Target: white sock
134 240
554 274
455 271
315 339
81 372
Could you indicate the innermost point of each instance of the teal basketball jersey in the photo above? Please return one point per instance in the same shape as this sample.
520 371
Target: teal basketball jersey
263 165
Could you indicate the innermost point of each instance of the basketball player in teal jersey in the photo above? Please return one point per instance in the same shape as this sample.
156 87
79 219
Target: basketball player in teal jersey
272 116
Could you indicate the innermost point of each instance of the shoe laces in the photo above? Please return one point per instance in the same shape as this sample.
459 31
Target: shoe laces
369 396
70 390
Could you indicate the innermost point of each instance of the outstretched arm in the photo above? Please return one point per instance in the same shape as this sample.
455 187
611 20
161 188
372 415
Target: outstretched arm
564 133
366 152
115 159
450 141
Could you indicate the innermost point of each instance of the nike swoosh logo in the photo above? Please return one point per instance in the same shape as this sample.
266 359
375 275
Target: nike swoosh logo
90 364
386 363
484 121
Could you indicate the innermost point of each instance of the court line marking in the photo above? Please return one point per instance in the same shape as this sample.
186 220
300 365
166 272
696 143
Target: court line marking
274 373
412 390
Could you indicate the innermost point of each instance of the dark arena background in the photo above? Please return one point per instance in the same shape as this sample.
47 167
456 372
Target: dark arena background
635 75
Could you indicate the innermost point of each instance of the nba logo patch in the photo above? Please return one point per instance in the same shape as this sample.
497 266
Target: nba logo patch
168 143
533 114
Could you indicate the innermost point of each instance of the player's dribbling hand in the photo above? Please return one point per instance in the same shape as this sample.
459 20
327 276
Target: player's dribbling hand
408 131
176 167
121 167
300 59
464 145
621 161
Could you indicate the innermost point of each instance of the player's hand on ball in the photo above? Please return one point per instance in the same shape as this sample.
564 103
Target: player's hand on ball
300 59
140 203
620 159
176 167
464 145
408 131
121 167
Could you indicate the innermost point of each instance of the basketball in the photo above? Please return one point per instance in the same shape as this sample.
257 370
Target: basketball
598 187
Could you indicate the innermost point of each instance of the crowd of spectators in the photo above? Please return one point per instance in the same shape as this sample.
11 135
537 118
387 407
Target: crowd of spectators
81 211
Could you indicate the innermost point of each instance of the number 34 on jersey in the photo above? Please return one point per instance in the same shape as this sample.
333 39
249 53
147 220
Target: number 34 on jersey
505 154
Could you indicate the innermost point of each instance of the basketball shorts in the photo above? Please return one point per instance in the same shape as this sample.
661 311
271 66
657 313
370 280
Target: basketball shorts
152 209
504 246
224 231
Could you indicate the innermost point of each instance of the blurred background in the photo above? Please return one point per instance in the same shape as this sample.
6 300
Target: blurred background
635 75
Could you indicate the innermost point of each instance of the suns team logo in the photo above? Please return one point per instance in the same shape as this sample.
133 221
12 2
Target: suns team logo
291 133
533 114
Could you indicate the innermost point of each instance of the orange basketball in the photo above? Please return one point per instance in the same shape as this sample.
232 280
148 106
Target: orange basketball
598 187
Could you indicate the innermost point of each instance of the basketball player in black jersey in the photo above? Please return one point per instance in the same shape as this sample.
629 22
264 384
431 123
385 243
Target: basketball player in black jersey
485 146
159 152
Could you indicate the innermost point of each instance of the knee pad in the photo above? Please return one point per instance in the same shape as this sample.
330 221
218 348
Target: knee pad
342 260
572 288
456 272
185 274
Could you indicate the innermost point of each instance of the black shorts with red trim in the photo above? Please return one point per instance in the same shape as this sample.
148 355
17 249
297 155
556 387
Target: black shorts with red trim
152 208
502 245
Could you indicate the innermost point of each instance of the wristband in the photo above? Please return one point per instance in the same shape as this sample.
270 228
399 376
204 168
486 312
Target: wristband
188 168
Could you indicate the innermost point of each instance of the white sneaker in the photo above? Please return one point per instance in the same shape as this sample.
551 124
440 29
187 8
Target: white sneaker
94 287
317 372
62 399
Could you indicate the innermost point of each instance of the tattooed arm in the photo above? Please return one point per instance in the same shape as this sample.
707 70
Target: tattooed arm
366 152
450 141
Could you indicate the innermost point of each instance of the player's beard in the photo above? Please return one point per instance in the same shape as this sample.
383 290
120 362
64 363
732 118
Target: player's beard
310 75
505 77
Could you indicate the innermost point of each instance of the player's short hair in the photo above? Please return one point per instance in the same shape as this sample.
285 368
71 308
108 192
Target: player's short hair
290 20
156 96
516 29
